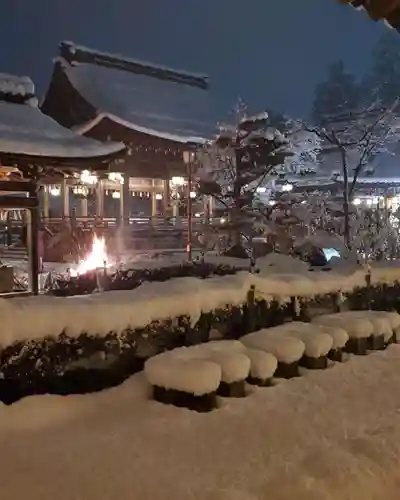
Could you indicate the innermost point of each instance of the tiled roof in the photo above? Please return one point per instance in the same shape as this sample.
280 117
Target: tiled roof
24 130
151 99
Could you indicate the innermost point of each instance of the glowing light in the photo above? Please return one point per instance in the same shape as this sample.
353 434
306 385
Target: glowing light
261 189
97 258
357 201
159 196
287 187
88 178
177 181
192 194
116 195
271 203
116 177
55 191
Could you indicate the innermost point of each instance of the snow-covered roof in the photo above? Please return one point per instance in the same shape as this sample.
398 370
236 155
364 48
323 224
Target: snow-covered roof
151 99
25 130
16 85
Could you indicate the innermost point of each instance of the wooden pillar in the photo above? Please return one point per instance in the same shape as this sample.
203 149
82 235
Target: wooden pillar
153 199
210 206
84 207
125 200
33 223
46 204
166 198
65 198
99 199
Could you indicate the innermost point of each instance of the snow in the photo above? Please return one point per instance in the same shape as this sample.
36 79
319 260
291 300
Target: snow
234 364
84 129
173 370
380 323
356 327
25 130
339 335
263 364
16 85
311 438
154 105
317 344
392 317
73 48
98 314
286 349
192 375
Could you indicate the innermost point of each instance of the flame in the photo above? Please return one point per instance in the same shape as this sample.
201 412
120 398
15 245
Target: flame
96 259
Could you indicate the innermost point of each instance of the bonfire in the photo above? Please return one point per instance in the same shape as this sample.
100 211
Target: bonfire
96 259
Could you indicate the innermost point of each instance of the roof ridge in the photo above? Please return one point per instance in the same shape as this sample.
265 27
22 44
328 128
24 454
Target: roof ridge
73 53
17 89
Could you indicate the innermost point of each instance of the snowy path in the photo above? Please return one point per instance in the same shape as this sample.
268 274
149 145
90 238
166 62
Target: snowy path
332 435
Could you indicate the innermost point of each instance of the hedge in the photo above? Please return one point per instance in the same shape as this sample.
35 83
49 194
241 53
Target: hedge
132 278
43 366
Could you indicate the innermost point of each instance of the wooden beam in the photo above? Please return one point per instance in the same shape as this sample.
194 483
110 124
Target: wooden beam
18 202
19 186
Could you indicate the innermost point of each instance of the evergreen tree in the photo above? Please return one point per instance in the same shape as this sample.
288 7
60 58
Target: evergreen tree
383 80
337 95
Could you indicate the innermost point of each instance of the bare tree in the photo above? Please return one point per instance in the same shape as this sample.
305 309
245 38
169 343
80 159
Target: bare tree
358 138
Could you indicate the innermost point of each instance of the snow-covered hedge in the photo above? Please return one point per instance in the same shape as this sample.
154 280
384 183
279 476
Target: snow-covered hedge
129 279
41 336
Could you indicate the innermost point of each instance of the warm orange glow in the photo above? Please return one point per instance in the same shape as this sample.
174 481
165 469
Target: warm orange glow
96 259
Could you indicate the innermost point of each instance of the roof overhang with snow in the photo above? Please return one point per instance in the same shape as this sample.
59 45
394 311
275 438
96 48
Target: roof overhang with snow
378 10
30 137
153 100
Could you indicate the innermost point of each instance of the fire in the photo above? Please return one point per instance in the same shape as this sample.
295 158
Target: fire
96 259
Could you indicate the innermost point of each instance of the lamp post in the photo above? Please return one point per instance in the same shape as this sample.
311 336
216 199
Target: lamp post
188 160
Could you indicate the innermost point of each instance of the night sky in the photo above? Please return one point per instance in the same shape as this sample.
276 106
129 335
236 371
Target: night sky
269 52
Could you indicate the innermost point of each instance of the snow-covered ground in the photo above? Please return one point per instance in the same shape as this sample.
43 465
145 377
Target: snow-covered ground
330 435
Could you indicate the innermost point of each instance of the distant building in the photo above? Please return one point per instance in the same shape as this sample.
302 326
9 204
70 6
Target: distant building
157 112
35 150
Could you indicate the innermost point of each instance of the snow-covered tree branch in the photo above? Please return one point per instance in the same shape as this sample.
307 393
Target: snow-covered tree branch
359 138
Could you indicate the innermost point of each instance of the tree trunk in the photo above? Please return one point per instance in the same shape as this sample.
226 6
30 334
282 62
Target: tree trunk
237 201
346 200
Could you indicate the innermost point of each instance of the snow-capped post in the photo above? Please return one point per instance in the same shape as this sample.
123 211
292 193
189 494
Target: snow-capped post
358 138
233 167
251 310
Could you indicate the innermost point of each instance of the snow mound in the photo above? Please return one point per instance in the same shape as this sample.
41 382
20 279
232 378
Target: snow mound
356 327
235 365
191 375
339 335
380 323
286 349
263 364
317 344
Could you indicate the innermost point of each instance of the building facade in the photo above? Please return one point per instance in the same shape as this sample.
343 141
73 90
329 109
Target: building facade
157 112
